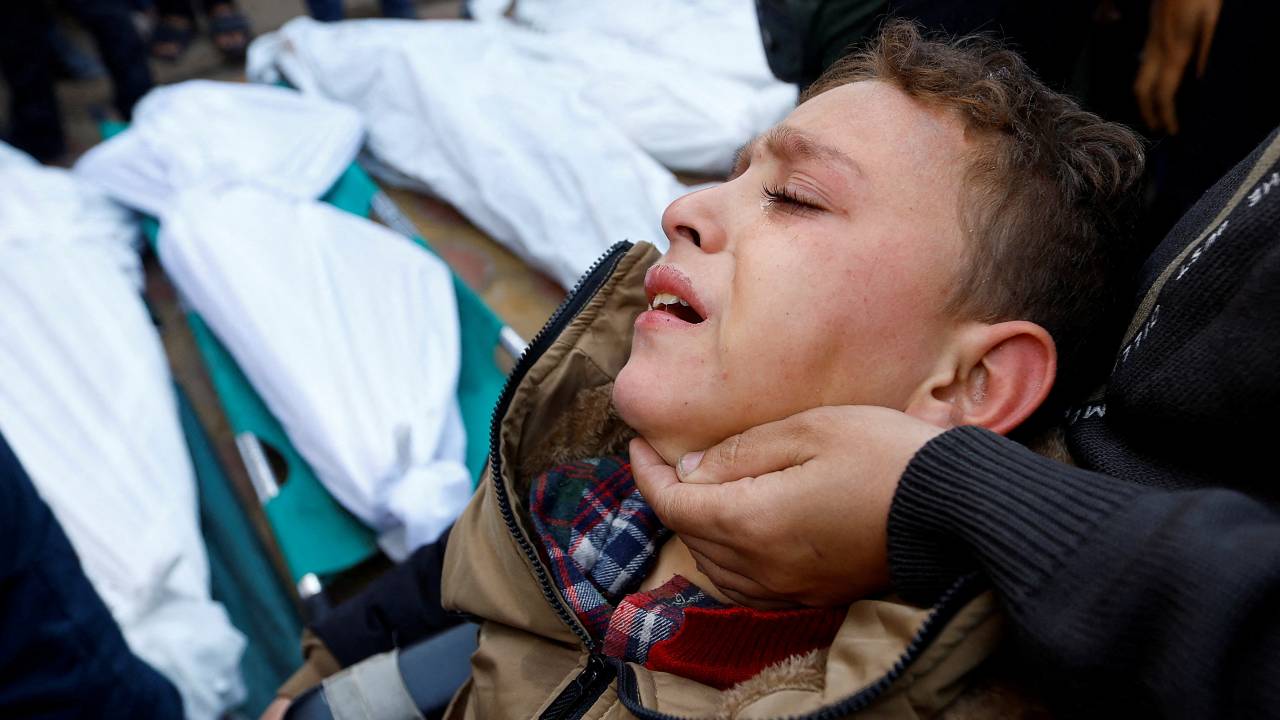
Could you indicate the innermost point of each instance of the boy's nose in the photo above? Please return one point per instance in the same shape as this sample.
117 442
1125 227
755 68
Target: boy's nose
692 219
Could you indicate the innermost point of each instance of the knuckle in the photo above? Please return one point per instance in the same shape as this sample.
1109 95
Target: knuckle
813 423
727 452
724 523
683 514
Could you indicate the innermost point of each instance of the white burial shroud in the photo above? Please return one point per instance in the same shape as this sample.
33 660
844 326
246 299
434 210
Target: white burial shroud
555 132
203 133
87 403
348 331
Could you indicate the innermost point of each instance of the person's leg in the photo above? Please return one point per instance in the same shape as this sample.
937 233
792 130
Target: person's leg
325 10
69 61
399 9
25 55
120 45
228 28
175 27
176 8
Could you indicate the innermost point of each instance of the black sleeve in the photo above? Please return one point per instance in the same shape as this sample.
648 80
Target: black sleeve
1127 600
399 608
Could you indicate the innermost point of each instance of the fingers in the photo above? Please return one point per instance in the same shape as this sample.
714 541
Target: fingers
276 709
1208 26
761 450
681 507
1156 87
1177 32
1167 82
1156 91
737 587
652 473
1143 88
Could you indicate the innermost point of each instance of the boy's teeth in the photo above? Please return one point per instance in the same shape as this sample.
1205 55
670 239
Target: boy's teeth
666 299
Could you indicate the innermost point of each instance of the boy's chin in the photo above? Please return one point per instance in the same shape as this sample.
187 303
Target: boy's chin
662 422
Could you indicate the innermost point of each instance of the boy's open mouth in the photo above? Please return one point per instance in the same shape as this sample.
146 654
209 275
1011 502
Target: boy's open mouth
670 291
675 305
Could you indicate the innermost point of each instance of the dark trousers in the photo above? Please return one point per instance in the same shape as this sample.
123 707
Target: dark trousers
185 8
61 652
331 10
26 60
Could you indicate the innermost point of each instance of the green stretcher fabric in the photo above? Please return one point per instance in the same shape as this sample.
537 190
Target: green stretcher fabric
241 576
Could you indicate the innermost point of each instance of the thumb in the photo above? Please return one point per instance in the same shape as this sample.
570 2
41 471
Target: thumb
679 506
758 451
653 475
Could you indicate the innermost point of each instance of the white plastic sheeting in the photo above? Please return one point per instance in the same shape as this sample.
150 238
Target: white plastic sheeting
87 404
554 132
348 331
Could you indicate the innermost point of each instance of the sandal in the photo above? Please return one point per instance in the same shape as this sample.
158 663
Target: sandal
171 37
229 30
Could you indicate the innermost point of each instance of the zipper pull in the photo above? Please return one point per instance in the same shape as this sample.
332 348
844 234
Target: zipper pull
579 695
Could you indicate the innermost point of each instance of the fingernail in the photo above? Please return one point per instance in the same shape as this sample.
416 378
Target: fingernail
689 462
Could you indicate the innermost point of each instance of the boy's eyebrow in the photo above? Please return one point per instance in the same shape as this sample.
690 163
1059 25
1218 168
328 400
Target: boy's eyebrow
788 143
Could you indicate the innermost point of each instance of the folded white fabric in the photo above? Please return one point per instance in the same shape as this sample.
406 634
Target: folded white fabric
549 133
205 133
350 334
87 404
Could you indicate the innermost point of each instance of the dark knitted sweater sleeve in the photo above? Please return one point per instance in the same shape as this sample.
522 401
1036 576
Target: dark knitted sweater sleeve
1130 600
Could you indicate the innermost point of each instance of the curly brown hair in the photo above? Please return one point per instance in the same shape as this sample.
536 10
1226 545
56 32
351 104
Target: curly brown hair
1049 195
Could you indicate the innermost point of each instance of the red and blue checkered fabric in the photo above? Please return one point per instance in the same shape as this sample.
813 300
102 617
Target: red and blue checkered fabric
601 539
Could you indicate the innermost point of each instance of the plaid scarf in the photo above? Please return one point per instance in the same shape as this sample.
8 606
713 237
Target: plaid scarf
601 539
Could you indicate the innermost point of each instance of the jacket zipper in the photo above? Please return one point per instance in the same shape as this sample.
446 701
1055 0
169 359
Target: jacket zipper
572 305
960 593
572 702
577 698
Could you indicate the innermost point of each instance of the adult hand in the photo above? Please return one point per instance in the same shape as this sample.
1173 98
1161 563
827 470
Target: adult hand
1178 28
277 709
791 512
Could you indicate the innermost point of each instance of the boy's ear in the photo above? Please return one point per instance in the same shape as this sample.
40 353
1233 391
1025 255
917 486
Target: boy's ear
995 378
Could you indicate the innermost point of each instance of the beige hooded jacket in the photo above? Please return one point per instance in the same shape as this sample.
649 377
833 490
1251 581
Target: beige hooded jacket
535 660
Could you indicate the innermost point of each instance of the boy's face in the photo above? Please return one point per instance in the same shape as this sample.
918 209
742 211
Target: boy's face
817 274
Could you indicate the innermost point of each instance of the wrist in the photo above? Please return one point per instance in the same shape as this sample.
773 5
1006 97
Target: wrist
972 500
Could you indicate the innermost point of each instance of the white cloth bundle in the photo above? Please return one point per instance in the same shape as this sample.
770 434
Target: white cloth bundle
47 207
551 135
204 133
87 404
347 331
